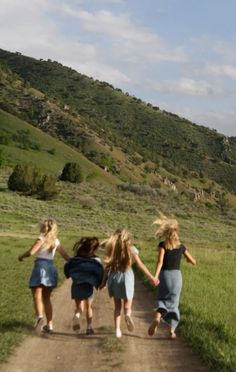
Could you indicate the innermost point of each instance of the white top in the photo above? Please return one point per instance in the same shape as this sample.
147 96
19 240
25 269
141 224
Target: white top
44 251
134 251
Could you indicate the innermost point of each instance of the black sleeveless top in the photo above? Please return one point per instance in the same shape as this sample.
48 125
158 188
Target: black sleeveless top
172 257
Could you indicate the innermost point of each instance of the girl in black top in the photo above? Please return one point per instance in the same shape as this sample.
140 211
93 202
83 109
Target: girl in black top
169 275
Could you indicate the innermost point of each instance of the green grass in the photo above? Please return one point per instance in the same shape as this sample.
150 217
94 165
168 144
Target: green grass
112 345
207 302
13 153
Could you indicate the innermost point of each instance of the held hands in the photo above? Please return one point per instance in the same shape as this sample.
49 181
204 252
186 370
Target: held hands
20 258
154 281
102 285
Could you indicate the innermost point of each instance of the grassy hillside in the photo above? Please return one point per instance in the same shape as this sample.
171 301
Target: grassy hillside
133 125
20 142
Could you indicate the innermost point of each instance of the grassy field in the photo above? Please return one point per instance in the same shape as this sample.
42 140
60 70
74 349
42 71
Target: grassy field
207 303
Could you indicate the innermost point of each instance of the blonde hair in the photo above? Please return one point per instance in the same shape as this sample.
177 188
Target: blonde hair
48 228
118 251
168 231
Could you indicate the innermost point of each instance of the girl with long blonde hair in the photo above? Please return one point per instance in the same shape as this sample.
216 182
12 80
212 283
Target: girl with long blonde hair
168 274
44 275
121 253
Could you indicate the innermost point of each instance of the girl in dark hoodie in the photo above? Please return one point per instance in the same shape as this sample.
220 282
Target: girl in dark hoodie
86 272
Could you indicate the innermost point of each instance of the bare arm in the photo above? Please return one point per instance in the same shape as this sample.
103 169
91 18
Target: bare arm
63 253
159 262
189 257
104 279
144 269
35 247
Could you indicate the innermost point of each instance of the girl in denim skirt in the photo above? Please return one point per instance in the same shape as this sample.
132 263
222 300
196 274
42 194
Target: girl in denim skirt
121 253
44 275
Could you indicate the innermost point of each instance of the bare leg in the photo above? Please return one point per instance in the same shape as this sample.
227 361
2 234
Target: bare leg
38 302
89 315
127 311
117 311
127 307
89 312
47 305
79 308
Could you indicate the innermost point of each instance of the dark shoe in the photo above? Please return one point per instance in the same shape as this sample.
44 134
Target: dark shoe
46 329
89 331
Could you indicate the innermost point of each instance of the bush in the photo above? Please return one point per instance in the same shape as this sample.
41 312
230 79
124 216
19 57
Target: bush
27 179
87 202
47 188
72 173
24 178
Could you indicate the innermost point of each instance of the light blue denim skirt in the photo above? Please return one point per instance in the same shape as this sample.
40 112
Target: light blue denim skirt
44 273
121 284
168 295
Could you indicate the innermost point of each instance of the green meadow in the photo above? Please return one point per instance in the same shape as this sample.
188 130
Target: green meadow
208 299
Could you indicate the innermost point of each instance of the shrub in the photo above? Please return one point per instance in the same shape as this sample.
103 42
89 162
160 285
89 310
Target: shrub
72 173
30 181
47 187
87 202
24 178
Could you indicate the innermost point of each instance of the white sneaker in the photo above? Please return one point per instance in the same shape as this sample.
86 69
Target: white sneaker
38 322
118 333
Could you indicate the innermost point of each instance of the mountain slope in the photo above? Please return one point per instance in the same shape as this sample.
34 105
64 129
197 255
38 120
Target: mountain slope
127 122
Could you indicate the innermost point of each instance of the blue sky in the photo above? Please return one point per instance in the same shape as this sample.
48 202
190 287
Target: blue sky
179 55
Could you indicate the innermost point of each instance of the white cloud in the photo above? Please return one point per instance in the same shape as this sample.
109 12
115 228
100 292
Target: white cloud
26 27
129 39
222 70
187 86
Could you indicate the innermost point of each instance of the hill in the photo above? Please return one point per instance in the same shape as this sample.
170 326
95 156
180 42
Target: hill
20 142
140 130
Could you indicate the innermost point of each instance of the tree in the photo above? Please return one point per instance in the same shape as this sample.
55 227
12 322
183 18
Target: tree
72 173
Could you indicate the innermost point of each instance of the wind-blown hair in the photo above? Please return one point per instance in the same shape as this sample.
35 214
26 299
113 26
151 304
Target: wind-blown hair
168 231
48 228
118 251
86 247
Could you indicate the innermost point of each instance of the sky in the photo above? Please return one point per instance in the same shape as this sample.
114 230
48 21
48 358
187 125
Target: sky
179 55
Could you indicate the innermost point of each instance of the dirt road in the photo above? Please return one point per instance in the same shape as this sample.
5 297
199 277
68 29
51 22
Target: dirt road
66 351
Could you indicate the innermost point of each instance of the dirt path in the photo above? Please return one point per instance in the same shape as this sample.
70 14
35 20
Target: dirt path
66 351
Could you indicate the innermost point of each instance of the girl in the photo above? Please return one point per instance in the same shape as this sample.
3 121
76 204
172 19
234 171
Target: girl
44 275
169 274
86 272
120 276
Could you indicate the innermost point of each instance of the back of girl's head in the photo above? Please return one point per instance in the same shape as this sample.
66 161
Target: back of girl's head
48 228
48 225
118 250
86 246
168 230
